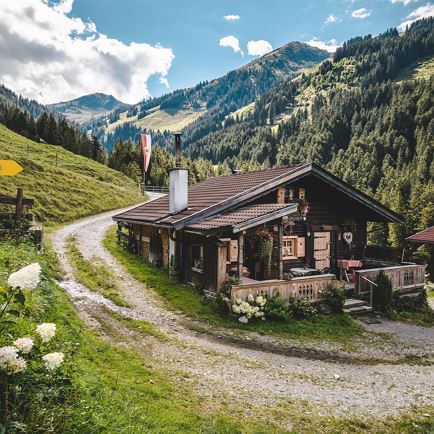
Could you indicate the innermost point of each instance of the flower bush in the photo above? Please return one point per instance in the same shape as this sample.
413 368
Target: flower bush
333 297
26 278
276 309
46 331
252 308
302 309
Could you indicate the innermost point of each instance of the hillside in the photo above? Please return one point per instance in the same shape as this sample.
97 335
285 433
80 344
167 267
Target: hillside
86 107
208 102
366 115
76 187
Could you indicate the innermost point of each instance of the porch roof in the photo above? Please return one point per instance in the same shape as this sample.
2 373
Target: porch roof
425 236
244 218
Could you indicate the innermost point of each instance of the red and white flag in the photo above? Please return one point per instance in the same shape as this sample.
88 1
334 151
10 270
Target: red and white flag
146 148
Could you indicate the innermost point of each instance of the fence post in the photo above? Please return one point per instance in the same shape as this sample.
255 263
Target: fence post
19 206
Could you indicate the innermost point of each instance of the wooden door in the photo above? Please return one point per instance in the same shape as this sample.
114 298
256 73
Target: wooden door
321 250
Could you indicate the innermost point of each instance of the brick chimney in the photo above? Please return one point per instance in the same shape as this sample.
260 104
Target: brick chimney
178 181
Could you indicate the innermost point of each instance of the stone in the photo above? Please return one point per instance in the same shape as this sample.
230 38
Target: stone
243 319
337 376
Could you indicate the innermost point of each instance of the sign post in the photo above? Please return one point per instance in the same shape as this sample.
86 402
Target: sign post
9 168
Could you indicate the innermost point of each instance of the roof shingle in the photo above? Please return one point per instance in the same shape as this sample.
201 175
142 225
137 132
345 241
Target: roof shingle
425 236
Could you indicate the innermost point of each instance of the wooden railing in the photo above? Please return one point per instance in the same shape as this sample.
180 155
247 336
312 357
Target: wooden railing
405 278
299 287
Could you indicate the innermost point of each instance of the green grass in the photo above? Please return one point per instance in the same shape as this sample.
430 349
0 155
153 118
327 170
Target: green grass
96 277
105 387
336 328
77 187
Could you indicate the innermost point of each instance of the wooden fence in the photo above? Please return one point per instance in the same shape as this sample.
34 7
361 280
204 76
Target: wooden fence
309 287
405 278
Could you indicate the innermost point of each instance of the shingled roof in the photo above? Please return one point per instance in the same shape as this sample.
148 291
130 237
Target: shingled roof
219 194
204 195
425 236
245 217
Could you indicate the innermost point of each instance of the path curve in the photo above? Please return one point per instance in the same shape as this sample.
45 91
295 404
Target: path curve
237 366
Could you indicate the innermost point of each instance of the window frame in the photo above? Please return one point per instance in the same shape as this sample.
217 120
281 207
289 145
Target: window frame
197 267
294 241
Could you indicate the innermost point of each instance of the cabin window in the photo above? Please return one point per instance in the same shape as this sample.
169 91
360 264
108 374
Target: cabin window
301 193
289 247
231 250
197 257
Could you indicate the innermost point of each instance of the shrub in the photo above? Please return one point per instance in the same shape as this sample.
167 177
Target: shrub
410 304
223 304
382 295
276 309
231 280
252 308
334 297
302 309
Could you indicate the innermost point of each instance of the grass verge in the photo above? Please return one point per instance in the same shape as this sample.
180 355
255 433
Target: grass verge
336 328
96 277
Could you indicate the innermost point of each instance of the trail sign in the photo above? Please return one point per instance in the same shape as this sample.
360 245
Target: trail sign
9 168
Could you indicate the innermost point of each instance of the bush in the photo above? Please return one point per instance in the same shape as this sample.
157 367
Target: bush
223 304
276 309
231 280
382 295
334 297
302 309
410 304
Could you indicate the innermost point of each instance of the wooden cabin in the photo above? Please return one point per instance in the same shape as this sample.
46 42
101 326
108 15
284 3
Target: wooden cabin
290 230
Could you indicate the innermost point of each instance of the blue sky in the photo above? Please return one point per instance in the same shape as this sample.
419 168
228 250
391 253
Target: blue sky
134 48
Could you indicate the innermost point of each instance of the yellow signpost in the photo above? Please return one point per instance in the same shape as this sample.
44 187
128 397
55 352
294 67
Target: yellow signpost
9 168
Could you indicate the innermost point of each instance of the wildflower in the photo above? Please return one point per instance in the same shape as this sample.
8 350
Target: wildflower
24 345
26 278
53 360
46 331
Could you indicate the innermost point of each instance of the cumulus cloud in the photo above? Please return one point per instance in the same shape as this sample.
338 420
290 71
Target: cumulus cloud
329 46
258 48
231 17
50 56
421 12
331 19
232 42
404 2
361 13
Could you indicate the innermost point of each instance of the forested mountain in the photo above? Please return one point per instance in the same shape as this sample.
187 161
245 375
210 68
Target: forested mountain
202 108
86 107
36 122
354 115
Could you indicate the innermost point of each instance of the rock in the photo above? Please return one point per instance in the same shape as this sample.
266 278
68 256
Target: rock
243 319
337 376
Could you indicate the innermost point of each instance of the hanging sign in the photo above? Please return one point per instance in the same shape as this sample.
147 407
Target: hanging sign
146 149
348 237
9 168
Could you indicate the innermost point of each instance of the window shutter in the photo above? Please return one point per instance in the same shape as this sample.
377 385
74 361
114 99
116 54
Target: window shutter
301 251
234 251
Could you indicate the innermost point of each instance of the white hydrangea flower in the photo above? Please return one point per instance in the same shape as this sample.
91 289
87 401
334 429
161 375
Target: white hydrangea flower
235 309
238 301
53 360
10 362
24 345
17 365
7 355
250 298
26 278
46 331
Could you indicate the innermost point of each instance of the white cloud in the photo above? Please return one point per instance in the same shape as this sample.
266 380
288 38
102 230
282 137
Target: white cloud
258 48
329 46
361 13
404 2
51 57
231 17
421 12
331 19
233 42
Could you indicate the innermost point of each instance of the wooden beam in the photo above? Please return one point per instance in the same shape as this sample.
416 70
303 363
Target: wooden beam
6 200
240 254
280 247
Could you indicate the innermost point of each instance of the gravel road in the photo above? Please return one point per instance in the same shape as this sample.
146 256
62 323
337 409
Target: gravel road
253 371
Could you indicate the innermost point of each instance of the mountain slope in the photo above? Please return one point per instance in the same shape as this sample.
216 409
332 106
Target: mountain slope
75 187
208 102
86 107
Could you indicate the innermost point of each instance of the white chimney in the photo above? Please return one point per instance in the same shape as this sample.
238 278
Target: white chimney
178 182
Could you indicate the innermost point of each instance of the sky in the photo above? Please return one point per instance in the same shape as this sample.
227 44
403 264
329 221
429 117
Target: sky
56 50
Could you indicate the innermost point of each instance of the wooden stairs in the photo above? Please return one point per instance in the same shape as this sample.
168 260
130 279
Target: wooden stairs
357 307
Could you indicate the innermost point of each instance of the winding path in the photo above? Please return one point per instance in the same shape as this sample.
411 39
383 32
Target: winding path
254 372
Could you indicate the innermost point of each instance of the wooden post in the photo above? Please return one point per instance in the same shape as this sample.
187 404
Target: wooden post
140 240
240 255
19 206
280 250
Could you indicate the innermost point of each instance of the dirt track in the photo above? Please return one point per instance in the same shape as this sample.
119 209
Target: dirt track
254 371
